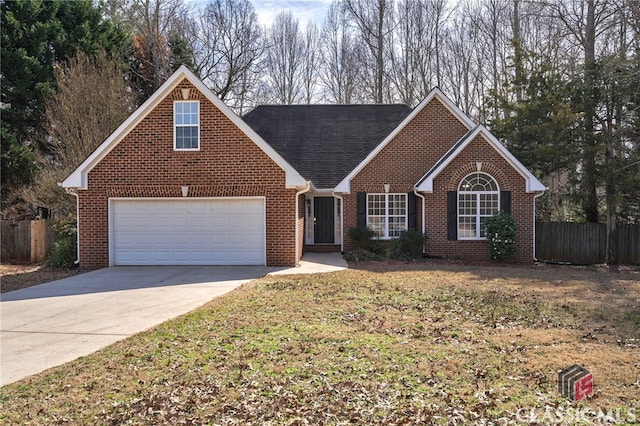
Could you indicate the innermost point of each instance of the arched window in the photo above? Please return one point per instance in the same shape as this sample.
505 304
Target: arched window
478 199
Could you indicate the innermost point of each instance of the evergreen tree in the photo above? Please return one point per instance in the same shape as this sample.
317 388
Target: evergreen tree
539 125
36 36
539 128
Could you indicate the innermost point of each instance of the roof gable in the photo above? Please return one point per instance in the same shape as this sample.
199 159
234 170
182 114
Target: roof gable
425 184
79 177
325 142
345 185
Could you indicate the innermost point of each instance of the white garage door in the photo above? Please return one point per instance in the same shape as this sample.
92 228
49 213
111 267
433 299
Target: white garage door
188 232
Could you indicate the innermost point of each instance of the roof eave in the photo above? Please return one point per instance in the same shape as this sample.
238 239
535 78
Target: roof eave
78 178
293 180
532 184
345 185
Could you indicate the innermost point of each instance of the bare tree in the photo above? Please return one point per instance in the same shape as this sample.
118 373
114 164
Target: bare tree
78 121
227 45
153 22
310 65
417 48
585 20
285 54
493 21
340 52
374 19
405 65
613 114
464 65
634 21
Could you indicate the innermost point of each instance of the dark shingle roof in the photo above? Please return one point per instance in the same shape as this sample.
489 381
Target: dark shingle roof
325 142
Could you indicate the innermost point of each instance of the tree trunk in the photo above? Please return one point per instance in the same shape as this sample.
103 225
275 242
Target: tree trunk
615 121
612 231
517 45
590 200
380 56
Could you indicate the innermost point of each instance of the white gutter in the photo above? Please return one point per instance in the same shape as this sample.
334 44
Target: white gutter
535 257
74 192
424 225
302 191
339 197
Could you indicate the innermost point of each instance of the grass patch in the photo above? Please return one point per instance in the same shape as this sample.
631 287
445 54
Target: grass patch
360 347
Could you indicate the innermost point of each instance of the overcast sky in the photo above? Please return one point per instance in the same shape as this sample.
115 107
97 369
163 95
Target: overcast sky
304 10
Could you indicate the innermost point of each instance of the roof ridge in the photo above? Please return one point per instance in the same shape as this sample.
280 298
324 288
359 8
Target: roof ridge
330 105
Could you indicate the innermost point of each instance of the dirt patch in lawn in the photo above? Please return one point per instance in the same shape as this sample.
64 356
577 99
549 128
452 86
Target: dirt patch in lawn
15 277
381 343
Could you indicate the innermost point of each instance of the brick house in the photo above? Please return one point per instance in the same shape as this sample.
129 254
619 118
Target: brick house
186 181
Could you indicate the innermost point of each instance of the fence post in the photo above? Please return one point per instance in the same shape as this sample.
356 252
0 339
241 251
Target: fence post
38 241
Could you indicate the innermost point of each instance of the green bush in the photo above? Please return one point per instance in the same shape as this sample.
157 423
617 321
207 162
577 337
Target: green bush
407 246
363 238
359 254
501 234
64 251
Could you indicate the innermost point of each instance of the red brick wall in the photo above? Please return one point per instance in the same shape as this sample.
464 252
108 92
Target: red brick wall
508 179
405 159
144 164
412 153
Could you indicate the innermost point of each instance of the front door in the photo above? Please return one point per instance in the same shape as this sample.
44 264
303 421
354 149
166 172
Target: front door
323 225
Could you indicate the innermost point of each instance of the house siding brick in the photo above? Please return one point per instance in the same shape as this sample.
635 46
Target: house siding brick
508 179
228 164
413 152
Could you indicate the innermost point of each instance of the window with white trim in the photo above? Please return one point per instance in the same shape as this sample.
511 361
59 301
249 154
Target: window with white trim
478 199
186 125
387 214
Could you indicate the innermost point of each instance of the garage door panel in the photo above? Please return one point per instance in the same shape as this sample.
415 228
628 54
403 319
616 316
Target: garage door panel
188 232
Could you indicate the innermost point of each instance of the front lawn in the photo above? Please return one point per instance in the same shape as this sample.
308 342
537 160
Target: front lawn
383 344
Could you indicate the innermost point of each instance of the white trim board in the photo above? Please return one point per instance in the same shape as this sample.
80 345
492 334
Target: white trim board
425 184
79 177
345 185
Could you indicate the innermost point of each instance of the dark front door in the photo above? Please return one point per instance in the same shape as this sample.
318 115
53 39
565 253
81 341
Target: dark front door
323 220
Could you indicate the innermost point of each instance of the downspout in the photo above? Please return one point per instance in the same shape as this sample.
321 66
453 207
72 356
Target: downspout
424 225
339 197
302 191
74 192
535 257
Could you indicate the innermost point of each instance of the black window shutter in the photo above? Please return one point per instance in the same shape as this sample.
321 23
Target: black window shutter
362 210
411 211
452 215
505 201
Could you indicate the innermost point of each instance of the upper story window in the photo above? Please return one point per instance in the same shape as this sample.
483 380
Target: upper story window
186 125
387 214
478 199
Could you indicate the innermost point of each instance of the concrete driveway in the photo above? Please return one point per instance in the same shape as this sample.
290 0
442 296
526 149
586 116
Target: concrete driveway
49 324
54 323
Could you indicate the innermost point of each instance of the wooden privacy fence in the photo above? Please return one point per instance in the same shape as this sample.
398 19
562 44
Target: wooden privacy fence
25 241
585 242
